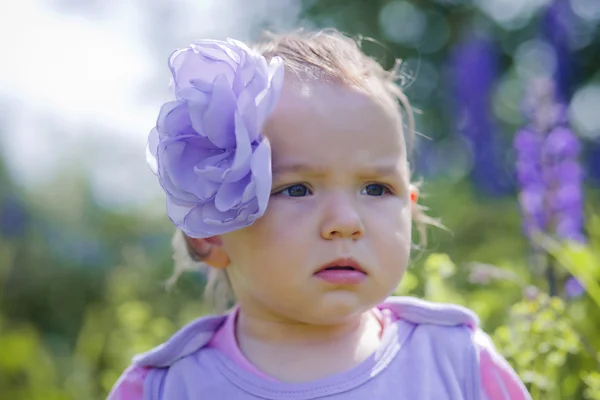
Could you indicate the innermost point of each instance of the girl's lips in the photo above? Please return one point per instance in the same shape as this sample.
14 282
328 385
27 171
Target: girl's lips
343 271
344 264
341 276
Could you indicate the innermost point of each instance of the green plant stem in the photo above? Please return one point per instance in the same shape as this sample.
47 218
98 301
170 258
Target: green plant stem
551 277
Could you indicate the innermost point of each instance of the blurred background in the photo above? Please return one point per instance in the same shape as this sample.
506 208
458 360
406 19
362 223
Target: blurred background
508 99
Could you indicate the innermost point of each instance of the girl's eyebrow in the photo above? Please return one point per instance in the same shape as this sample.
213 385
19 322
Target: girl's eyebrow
379 170
304 169
363 171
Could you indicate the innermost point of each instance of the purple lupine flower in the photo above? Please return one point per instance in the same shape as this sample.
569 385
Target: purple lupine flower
528 144
558 24
474 69
548 172
564 178
574 288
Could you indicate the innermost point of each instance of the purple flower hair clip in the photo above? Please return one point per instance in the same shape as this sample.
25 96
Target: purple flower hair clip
207 148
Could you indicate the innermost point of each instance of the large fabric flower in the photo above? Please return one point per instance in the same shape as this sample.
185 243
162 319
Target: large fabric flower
207 148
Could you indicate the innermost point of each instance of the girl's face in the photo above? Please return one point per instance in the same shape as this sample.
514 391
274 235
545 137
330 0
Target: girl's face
340 191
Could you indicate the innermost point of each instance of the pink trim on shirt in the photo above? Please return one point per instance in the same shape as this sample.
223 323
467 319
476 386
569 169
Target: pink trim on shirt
498 380
130 385
224 340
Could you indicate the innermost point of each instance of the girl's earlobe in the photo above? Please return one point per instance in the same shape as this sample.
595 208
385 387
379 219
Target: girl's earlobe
414 194
209 250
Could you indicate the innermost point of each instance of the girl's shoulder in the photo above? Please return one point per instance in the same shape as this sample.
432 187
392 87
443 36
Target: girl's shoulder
498 379
418 311
191 338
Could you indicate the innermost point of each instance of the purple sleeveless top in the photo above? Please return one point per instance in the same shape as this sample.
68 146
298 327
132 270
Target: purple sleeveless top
431 351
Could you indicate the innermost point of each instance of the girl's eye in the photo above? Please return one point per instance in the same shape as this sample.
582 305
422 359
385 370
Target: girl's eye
298 190
375 189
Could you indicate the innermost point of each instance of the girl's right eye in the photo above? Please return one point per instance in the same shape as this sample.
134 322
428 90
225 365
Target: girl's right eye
298 190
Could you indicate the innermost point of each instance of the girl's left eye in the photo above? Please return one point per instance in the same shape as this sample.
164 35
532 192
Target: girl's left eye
375 189
297 190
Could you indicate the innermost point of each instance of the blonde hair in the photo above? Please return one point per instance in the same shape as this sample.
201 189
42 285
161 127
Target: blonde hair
328 55
325 55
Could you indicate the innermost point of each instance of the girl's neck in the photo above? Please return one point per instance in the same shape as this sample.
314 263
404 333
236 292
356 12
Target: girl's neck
291 351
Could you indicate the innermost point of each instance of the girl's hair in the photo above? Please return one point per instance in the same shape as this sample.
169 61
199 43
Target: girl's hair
325 55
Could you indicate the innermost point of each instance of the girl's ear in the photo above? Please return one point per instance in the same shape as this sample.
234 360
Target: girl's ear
209 250
414 193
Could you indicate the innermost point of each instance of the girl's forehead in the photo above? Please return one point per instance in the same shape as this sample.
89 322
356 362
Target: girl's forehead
328 123
327 103
311 94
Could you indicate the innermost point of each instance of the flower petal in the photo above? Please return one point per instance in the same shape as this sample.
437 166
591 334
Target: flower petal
172 119
241 46
194 225
202 85
177 210
240 166
249 191
248 98
179 165
244 73
218 119
230 195
268 98
164 178
152 150
211 215
250 212
261 174
197 103
153 141
218 51
213 167
186 64
174 165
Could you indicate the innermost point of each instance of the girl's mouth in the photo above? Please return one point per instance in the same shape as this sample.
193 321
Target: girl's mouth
343 271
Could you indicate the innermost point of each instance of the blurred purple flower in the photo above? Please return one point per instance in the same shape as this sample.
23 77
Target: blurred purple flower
566 171
483 274
561 144
528 145
535 217
207 147
593 164
474 70
574 288
531 293
14 217
558 24
568 226
547 168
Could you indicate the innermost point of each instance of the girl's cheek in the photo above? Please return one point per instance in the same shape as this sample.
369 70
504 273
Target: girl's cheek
282 207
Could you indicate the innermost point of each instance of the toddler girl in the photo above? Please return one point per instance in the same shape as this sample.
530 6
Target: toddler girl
285 170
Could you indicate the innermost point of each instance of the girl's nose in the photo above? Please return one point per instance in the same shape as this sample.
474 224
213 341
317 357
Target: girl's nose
341 218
